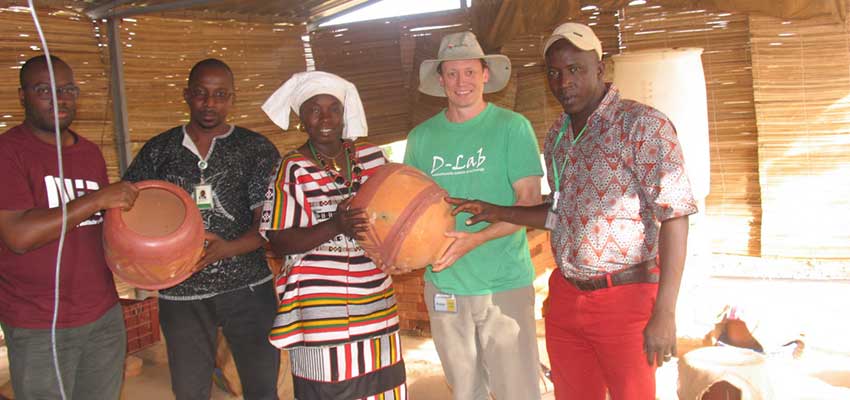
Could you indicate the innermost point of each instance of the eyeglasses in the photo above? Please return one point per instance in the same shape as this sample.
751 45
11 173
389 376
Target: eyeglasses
42 91
218 96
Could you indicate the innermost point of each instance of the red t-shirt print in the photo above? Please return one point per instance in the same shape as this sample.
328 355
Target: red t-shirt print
30 180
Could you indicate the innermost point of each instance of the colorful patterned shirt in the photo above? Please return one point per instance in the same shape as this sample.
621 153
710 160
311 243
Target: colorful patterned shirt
622 179
333 293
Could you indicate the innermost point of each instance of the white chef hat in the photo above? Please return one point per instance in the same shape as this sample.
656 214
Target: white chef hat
304 85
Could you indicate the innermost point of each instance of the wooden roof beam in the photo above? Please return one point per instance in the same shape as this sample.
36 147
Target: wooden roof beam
108 9
104 9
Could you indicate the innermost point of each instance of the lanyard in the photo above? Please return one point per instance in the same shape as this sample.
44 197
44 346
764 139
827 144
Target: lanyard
557 173
202 165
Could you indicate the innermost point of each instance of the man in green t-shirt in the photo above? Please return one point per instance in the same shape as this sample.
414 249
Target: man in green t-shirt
479 292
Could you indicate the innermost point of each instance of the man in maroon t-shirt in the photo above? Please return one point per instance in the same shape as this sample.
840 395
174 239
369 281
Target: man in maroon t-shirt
90 335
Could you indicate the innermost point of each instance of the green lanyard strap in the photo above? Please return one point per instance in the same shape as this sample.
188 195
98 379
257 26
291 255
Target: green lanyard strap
555 171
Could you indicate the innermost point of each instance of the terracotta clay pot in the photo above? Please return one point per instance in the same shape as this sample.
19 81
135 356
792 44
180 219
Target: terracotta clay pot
408 217
156 244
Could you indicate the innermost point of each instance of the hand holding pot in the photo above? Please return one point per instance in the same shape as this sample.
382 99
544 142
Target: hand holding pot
121 195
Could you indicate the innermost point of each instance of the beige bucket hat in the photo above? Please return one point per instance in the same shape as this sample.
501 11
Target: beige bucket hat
463 46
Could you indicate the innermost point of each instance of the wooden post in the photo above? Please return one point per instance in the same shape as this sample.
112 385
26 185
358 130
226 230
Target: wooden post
119 99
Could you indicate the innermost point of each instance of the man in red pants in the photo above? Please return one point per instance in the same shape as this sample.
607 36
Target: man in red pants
619 222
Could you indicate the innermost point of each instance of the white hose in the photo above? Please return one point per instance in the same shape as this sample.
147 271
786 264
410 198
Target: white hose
64 196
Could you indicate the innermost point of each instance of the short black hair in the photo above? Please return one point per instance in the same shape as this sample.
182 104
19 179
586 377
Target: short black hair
440 66
209 63
38 60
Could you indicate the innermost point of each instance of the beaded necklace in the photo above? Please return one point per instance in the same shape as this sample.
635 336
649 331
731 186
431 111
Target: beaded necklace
350 178
332 158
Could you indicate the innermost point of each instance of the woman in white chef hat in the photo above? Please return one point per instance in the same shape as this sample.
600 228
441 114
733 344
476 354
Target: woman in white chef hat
337 313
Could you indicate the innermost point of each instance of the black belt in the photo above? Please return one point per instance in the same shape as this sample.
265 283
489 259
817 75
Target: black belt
638 273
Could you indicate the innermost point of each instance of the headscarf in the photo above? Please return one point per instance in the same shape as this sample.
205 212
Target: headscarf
304 85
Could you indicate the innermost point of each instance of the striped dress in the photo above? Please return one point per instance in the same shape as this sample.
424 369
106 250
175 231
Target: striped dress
337 312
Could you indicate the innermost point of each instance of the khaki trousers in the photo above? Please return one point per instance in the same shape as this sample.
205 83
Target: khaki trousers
489 346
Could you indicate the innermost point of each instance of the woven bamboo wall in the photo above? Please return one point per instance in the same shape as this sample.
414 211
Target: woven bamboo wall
533 98
425 45
368 55
800 70
801 73
382 59
159 52
72 38
734 203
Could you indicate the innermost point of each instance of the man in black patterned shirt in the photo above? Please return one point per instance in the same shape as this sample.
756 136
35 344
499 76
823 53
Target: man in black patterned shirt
227 169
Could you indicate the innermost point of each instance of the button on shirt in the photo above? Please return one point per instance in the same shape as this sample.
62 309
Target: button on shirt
622 179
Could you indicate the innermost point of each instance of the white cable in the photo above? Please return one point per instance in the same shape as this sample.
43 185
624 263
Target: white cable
64 196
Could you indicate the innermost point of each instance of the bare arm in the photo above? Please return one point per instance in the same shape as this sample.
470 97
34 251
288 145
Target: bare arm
300 240
527 192
25 230
219 249
533 216
660 331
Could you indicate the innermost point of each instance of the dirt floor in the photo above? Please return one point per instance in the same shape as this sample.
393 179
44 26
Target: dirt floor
776 310
810 377
424 374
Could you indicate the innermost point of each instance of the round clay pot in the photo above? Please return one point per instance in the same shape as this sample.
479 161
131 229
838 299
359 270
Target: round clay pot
408 217
157 243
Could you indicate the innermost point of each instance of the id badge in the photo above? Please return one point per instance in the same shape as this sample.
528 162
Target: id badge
551 220
445 303
204 196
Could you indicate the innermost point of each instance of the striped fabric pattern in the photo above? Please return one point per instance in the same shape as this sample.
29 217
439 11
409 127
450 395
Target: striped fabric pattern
370 369
332 294
346 361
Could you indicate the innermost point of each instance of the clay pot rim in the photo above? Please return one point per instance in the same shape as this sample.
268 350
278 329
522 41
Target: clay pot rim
114 217
118 215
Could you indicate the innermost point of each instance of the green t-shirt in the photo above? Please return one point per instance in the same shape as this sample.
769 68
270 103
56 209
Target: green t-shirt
480 159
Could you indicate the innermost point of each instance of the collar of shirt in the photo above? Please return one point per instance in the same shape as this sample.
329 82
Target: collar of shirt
607 109
190 144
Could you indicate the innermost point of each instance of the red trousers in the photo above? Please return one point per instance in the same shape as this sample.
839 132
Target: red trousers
595 340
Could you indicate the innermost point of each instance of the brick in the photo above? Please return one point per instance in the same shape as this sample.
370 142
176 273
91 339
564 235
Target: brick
419 315
409 297
412 286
